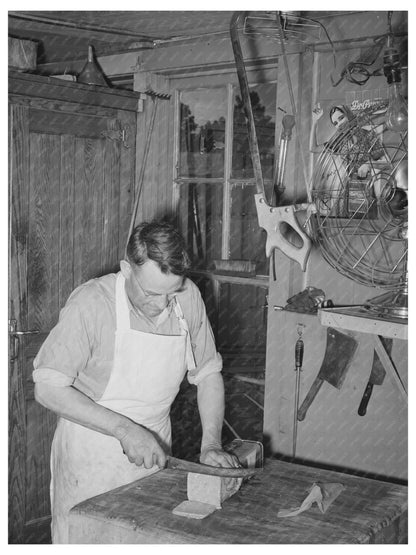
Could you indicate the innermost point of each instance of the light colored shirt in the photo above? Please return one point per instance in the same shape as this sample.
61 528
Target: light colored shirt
79 349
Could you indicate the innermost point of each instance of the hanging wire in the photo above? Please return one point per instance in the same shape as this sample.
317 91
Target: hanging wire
334 55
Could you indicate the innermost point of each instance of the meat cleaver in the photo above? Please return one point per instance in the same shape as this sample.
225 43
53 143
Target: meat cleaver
340 349
377 375
188 466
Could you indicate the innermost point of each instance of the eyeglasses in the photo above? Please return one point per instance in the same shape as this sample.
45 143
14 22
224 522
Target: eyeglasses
148 295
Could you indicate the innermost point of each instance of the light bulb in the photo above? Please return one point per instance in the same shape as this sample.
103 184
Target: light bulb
396 116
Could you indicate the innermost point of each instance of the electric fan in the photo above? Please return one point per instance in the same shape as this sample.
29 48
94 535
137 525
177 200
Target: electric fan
359 190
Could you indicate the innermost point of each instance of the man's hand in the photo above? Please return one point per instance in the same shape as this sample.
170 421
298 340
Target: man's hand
138 443
218 457
140 446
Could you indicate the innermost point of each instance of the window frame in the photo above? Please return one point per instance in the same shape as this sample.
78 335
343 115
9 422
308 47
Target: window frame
227 182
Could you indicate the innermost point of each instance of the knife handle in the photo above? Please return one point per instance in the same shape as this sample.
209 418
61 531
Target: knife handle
315 387
299 348
362 409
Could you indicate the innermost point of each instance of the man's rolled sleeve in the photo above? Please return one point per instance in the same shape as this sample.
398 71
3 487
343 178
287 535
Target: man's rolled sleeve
52 377
210 367
65 351
207 359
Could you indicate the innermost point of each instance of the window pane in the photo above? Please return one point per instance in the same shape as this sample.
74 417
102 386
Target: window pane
247 239
263 100
202 133
200 209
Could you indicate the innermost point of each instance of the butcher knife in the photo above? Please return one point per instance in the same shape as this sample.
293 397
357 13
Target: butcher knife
188 466
377 376
340 349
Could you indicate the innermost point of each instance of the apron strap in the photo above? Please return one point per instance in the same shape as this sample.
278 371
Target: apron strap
123 318
190 358
122 308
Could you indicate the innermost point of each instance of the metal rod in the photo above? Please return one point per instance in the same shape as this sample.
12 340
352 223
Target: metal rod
231 429
299 348
254 401
292 97
256 381
77 25
295 412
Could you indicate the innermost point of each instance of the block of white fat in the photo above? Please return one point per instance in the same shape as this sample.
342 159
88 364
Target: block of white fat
213 490
193 509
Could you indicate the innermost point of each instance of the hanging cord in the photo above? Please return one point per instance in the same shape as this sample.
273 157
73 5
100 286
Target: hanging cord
367 57
293 104
357 68
155 96
334 55
142 170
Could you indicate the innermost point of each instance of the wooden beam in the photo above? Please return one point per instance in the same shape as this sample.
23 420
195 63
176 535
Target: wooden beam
50 88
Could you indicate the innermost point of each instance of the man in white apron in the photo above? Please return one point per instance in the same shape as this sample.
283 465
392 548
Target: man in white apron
112 367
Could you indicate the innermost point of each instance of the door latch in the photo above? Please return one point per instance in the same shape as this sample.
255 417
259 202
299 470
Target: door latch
116 131
14 335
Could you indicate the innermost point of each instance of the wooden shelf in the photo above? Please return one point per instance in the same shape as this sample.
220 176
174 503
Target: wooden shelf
53 90
233 277
362 321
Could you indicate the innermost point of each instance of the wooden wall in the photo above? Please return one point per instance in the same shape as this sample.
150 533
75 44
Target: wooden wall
332 433
361 443
70 206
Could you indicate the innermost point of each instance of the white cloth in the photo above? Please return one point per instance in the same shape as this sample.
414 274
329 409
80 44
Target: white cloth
145 378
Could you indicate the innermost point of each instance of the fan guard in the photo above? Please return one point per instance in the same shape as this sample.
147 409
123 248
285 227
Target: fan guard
360 225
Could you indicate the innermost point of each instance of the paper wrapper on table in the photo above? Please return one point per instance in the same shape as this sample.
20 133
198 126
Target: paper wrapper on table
321 493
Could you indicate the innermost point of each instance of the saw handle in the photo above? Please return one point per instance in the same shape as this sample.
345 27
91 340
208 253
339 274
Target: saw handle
315 387
362 409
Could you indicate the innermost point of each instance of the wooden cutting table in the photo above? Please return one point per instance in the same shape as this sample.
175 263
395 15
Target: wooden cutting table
367 511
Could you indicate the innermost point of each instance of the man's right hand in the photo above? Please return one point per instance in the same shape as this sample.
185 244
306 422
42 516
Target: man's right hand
140 446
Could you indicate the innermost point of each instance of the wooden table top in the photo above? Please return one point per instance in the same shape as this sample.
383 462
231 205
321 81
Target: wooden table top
358 514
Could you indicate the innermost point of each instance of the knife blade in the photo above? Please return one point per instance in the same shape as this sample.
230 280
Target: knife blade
173 463
339 352
377 376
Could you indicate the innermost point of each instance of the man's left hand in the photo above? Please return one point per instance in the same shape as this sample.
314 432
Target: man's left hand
218 457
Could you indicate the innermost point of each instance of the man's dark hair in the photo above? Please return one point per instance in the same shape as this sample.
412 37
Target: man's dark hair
161 242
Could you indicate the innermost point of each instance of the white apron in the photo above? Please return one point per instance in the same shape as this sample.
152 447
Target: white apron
145 378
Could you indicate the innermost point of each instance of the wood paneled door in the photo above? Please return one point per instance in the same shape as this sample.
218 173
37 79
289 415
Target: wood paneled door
71 160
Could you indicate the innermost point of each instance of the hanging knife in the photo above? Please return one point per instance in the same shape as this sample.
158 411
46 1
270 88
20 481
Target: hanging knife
377 376
188 466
